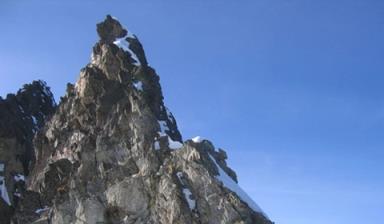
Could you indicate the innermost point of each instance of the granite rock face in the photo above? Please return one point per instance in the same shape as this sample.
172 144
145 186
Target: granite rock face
112 152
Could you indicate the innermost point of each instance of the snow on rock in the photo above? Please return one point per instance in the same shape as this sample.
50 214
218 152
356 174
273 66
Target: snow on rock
156 145
180 176
34 120
138 85
197 139
3 191
234 187
187 193
129 33
174 144
41 210
163 126
21 109
162 133
124 44
19 177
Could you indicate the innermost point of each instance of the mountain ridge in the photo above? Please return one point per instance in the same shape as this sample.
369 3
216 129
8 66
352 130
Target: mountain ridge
112 152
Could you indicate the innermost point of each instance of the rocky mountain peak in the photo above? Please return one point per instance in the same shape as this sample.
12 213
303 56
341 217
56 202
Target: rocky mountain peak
112 152
120 64
110 29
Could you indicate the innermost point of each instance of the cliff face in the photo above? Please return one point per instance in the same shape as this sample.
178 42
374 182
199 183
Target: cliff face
112 152
21 116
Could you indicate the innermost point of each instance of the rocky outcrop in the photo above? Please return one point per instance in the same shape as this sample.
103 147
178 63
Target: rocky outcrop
21 116
112 152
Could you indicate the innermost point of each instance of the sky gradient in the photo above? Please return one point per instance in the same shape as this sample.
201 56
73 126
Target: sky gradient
291 89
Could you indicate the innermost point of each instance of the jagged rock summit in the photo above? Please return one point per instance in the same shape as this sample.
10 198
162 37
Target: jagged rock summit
110 29
112 152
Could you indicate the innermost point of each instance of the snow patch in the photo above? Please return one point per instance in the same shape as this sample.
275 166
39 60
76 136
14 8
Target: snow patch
3 191
129 33
174 144
56 143
34 120
156 145
35 126
162 134
21 109
41 210
138 85
19 177
187 193
180 175
163 126
233 186
124 44
197 139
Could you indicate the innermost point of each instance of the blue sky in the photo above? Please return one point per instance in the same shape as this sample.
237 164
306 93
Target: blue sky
293 90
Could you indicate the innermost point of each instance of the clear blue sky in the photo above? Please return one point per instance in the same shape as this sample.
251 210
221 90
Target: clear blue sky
293 90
